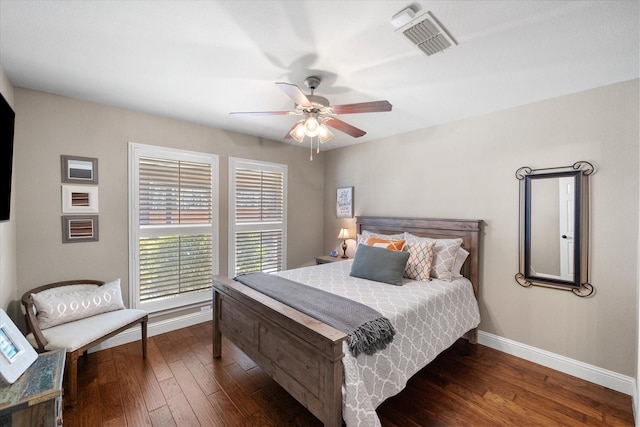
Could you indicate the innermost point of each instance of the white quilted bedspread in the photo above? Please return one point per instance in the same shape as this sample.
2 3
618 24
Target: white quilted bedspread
428 318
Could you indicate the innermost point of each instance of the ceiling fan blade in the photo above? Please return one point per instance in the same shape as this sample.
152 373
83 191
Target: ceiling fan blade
344 127
294 93
362 107
263 113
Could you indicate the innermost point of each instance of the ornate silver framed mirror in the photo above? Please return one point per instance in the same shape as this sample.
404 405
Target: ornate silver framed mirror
554 227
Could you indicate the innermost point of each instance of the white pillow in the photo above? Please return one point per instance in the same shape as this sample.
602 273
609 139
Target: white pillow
68 303
461 257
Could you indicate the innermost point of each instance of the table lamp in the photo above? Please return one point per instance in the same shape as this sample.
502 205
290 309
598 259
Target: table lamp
344 235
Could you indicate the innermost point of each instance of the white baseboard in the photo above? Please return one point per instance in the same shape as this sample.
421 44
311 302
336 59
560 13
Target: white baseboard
155 328
594 374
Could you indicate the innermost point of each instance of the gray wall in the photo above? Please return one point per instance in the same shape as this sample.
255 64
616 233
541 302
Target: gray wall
462 170
50 125
466 170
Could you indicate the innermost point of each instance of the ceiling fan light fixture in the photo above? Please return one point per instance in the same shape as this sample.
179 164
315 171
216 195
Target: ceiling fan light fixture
311 126
324 134
298 132
318 114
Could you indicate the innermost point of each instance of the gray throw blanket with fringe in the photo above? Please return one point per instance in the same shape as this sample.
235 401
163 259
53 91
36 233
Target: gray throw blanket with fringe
367 330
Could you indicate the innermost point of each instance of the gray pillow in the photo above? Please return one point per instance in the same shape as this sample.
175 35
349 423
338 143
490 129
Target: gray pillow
379 264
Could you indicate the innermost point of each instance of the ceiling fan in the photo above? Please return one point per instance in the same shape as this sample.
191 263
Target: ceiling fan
319 113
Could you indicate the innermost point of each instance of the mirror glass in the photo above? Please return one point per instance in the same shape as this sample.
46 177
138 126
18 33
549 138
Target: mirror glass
552 247
553 227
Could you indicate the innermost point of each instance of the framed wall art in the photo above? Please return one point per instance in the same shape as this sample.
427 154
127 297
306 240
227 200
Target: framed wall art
344 202
79 228
79 170
79 199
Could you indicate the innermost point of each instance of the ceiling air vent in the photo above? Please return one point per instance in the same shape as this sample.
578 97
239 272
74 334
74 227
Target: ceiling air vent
426 33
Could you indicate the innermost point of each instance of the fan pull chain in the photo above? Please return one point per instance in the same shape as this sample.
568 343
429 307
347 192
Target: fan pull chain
311 150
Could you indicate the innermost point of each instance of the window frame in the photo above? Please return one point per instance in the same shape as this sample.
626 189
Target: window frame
136 151
235 163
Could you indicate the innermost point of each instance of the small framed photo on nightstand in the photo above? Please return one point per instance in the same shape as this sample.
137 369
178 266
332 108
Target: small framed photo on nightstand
16 354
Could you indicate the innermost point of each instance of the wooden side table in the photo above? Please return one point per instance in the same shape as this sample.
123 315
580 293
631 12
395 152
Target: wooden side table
324 259
35 399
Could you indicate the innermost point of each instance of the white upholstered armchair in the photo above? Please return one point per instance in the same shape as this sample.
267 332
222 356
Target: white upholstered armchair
77 315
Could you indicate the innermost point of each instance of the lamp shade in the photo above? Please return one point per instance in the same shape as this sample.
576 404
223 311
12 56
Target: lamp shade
344 234
324 134
311 126
297 132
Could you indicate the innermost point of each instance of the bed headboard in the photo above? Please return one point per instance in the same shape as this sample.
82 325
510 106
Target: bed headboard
465 229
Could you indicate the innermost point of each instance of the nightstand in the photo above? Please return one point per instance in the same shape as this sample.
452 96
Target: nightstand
325 259
35 399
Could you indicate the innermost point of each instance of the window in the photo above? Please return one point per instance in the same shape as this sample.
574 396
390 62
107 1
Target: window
257 216
173 221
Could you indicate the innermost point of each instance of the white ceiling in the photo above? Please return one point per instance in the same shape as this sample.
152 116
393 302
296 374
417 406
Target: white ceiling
200 60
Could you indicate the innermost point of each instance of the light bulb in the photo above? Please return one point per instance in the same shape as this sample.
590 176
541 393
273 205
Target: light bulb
311 126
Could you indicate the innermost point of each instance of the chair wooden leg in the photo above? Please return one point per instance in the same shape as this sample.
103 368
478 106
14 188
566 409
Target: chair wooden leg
72 377
143 326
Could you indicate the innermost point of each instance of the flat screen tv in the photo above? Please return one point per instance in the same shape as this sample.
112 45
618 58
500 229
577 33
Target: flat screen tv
7 121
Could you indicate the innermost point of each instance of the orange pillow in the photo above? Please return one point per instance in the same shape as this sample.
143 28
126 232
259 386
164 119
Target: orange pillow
392 245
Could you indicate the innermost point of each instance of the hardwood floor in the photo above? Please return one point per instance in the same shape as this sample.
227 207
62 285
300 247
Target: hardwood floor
180 384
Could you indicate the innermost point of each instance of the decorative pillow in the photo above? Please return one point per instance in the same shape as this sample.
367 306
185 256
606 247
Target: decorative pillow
380 265
461 257
368 234
362 239
420 259
444 255
392 245
61 305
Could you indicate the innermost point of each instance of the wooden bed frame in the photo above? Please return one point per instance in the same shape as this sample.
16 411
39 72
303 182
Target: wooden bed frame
300 353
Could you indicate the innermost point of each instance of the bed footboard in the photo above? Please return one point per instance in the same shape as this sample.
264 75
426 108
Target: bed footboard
300 353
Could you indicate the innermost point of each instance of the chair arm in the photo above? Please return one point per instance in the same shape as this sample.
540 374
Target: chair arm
32 323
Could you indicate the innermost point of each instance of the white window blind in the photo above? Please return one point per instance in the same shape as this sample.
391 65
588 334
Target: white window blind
257 216
174 237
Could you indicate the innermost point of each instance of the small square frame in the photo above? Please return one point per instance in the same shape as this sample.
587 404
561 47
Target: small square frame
86 203
344 202
79 170
79 228
16 354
